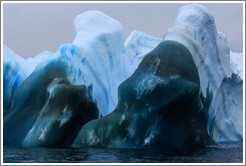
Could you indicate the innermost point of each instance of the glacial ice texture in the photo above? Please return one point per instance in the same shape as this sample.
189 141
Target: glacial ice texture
101 58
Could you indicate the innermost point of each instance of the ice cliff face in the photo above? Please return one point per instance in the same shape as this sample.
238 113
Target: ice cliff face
195 28
101 58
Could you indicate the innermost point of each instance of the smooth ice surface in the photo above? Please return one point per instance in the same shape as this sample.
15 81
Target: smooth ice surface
61 118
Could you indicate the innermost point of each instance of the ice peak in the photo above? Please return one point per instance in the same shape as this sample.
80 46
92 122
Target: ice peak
195 14
96 21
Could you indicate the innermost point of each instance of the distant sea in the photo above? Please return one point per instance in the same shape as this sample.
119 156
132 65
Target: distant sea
223 153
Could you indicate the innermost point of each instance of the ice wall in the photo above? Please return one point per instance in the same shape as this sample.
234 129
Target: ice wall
195 28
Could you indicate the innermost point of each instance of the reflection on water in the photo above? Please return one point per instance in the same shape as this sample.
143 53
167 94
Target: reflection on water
224 153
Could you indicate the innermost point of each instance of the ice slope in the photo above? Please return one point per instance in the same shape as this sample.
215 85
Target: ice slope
195 28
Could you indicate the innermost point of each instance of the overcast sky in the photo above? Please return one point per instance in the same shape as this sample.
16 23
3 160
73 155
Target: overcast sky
29 29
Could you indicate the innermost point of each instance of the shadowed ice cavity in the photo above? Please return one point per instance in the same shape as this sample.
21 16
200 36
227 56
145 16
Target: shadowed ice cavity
159 106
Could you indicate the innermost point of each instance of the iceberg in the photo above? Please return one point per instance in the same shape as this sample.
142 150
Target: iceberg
127 92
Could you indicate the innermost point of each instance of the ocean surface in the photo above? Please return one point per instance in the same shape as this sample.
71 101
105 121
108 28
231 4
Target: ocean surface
223 153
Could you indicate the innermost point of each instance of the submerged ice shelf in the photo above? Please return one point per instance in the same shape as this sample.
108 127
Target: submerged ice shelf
121 83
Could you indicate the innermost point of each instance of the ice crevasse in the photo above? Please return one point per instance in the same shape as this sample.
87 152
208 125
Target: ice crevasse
101 58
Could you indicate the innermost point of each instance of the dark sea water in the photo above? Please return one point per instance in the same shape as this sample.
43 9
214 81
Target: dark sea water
224 153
